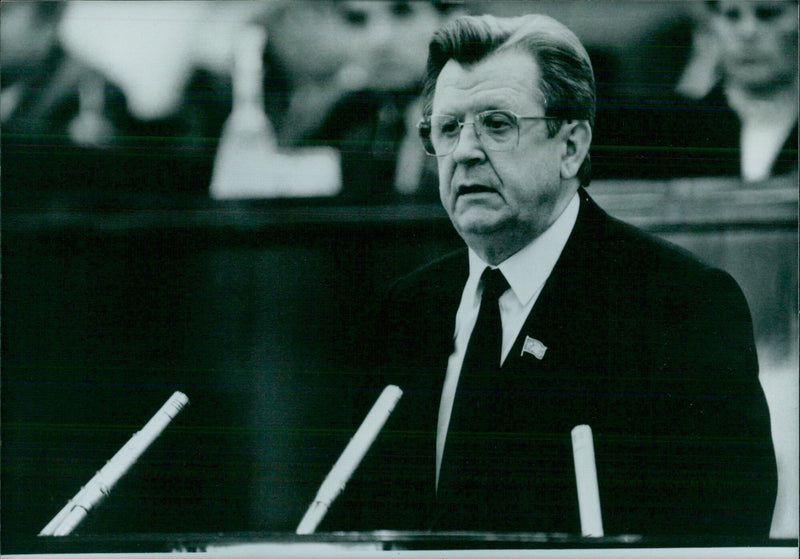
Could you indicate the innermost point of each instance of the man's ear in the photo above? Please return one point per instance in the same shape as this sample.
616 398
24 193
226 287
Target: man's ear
577 137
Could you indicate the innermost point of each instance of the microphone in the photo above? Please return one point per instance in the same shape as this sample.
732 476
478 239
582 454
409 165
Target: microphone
586 478
99 487
347 463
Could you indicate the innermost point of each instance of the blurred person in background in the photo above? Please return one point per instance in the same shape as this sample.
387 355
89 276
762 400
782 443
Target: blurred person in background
155 79
348 74
73 115
757 45
32 98
734 110
53 106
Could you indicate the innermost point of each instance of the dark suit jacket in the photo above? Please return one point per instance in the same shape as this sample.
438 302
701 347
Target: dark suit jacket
675 136
646 345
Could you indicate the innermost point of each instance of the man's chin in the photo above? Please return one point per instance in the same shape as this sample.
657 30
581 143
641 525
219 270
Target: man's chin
756 76
479 223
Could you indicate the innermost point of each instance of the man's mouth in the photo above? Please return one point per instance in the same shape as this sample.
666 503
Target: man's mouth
751 58
467 189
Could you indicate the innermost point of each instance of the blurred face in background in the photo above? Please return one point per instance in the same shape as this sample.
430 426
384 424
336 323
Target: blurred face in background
381 45
310 40
391 39
758 42
27 36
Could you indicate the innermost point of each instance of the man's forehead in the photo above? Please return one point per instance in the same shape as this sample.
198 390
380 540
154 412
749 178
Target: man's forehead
506 80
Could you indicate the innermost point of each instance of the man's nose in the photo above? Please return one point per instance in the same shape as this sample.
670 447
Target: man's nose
747 26
379 33
469 146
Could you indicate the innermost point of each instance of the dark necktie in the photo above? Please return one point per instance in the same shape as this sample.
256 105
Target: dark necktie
473 421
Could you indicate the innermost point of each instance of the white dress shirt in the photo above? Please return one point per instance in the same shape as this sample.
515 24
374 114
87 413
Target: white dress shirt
526 273
765 126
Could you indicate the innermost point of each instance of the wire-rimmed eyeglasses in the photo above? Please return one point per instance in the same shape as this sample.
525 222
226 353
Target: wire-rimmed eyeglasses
497 130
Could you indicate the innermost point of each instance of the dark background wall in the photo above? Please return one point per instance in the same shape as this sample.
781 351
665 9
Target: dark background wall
254 319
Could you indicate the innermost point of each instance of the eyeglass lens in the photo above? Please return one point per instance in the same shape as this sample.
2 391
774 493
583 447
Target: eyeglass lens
496 130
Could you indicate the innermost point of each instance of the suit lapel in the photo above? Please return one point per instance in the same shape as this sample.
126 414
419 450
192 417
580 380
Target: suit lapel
552 321
420 360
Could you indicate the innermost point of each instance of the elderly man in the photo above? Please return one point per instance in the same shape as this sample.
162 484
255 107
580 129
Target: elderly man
554 315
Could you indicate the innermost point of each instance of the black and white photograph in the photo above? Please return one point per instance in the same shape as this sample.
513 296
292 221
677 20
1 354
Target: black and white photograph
399 278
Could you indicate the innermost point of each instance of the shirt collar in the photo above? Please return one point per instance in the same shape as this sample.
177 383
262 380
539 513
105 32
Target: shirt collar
527 270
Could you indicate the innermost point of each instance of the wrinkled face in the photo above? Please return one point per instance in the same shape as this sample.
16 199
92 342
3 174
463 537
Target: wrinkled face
758 41
510 195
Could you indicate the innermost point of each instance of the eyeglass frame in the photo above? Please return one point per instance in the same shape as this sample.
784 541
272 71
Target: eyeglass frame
426 121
